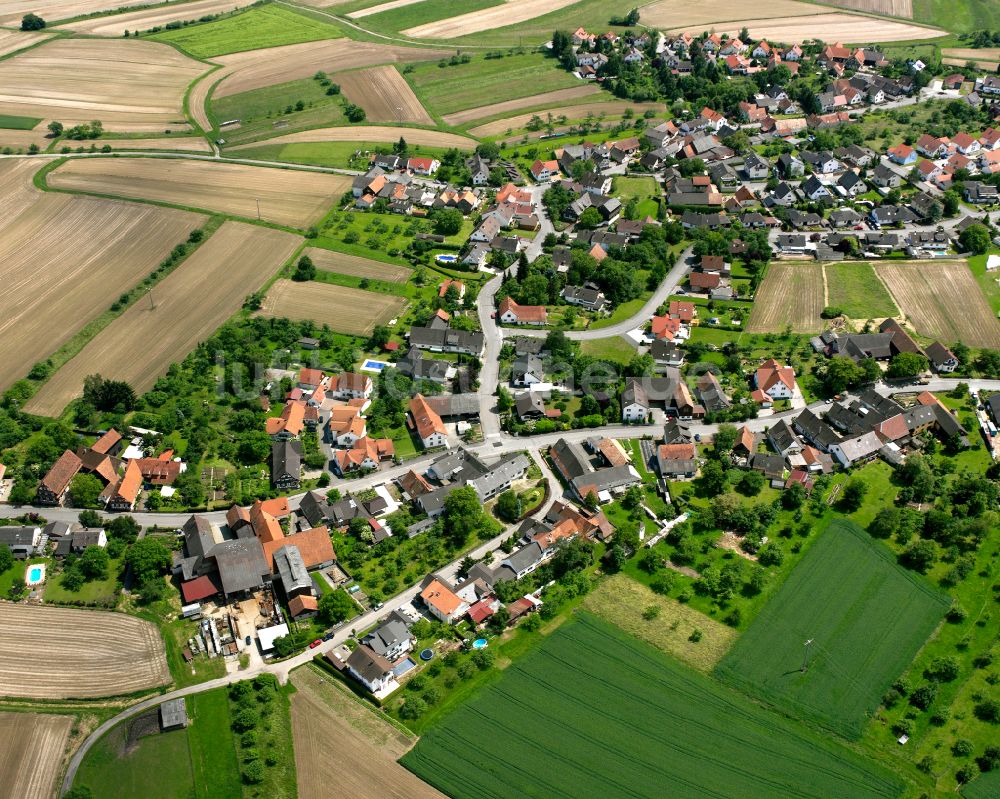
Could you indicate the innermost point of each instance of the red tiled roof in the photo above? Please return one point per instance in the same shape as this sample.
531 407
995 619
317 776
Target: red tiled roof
199 588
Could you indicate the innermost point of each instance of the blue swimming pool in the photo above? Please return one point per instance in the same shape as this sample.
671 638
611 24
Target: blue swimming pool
446 259
378 366
479 643
35 574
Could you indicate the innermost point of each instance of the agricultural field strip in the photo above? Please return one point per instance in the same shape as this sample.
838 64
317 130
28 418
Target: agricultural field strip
369 133
287 197
258 68
562 718
384 94
468 115
841 27
54 10
66 259
866 616
791 294
131 86
62 653
12 41
509 13
886 8
378 9
347 310
116 25
191 144
187 307
854 288
499 127
942 300
355 265
32 754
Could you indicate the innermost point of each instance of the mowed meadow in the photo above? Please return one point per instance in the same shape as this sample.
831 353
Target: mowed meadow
183 309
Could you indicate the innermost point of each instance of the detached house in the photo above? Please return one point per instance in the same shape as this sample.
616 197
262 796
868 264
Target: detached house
428 424
775 380
510 313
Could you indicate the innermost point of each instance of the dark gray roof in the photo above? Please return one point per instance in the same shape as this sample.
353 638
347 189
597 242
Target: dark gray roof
454 404
292 569
387 636
286 459
241 564
368 664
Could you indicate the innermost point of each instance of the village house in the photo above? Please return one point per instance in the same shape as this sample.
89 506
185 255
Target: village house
510 313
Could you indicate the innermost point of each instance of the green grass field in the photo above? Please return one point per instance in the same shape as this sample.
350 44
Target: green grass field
270 110
856 290
481 81
9 122
93 591
214 765
612 349
421 13
263 26
867 618
988 281
985 786
595 712
958 15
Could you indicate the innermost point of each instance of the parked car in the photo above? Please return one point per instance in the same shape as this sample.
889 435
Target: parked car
328 636
315 643
248 641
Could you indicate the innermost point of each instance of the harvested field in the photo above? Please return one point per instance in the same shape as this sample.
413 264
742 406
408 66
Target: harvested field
888 8
462 117
189 144
791 294
339 741
572 112
701 13
942 301
65 259
849 28
22 139
188 305
384 94
11 11
287 197
973 53
509 13
344 264
12 41
988 66
392 4
346 310
131 86
117 24
256 68
63 653
367 133
31 758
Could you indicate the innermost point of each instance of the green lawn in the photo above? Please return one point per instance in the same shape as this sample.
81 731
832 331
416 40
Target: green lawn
214 765
614 348
866 617
854 288
985 786
988 281
595 712
259 27
482 82
18 123
330 153
958 15
100 592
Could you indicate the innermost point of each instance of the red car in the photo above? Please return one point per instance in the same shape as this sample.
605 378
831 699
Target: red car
315 643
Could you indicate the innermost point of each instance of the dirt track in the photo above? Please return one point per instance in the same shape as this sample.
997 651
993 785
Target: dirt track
343 748
32 753
187 307
384 94
62 653
471 114
370 133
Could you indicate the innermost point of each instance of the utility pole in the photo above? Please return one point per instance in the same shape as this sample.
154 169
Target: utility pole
258 208
805 654
152 304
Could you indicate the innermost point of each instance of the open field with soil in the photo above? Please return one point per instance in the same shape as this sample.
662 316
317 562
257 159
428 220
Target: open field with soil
23 139
942 300
888 8
791 294
509 13
131 86
260 27
66 259
189 144
257 68
32 754
341 741
595 712
866 616
848 28
11 11
344 309
287 197
963 54
371 133
61 653
620 600
710 13
854 288
359 267
573 113
535 100
380 8
384 94
147 18
12 41
188 305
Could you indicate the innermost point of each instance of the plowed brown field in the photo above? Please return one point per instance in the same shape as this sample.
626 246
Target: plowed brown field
346 310
791 294
384 95
32 754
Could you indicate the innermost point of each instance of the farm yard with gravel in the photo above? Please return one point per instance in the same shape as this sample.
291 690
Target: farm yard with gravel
130 86
346 310
942 300
187 306
287 197
32 753
357 266
64 653
791 294
65 259
384 94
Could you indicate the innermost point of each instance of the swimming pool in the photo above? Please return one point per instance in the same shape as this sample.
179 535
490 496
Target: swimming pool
479 643
446 259
373 366
35 574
